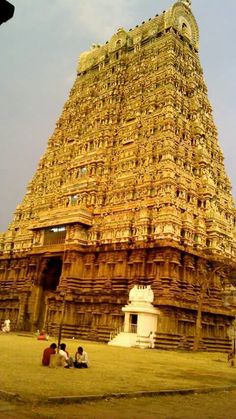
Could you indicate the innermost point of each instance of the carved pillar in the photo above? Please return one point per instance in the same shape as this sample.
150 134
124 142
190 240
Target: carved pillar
66 267
109 271
23 305
158 259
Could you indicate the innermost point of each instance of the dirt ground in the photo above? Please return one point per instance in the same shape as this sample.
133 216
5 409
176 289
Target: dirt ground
115 370
197 406
112 370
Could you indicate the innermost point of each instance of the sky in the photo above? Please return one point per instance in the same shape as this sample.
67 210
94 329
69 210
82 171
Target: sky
40 48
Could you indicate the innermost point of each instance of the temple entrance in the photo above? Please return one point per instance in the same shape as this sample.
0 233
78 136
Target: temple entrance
48 283
133 323
51 274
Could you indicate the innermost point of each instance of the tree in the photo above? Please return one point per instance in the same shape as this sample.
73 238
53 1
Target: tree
204 276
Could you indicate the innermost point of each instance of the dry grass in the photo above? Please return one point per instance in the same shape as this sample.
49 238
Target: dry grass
112 369
197 406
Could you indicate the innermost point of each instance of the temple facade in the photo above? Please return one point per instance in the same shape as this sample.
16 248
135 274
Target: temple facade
131 191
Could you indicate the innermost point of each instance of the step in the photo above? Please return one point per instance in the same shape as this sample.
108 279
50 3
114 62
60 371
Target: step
124 339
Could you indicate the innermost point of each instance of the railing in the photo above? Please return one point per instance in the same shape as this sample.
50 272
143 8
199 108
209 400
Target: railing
51 238
133 328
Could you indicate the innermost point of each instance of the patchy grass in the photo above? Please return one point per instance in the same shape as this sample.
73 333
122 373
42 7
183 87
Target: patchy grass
112 369
197 406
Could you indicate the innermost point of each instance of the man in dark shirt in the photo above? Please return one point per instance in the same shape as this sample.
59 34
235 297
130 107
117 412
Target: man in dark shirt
47 353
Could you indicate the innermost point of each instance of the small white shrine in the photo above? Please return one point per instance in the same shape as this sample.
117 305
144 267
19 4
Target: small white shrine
141 318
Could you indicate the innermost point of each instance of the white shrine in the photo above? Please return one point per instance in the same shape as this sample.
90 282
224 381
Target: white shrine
141 318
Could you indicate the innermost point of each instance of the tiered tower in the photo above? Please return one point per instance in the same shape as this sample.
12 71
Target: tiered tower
131 190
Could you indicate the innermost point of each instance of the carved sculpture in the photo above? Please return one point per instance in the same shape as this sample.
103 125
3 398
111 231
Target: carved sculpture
131 190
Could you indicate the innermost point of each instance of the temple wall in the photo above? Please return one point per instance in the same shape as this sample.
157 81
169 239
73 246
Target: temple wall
131 190
94 287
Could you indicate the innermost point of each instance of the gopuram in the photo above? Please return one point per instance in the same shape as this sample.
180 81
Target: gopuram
131 190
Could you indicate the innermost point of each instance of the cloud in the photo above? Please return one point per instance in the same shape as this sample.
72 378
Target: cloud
98 18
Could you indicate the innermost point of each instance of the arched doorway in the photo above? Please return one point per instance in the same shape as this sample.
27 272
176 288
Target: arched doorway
48 283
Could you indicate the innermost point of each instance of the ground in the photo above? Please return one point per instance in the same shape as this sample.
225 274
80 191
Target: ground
115 370
199 406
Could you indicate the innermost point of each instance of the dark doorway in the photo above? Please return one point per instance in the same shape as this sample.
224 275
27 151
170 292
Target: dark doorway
133 323
49 282
51 274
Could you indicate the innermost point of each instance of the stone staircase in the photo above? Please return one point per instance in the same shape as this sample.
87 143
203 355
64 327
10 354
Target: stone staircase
217 345
143 342
81 332
167 341
175 341
124 339
163 341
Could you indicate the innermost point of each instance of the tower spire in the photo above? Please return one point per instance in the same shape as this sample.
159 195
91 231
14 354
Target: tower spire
186 2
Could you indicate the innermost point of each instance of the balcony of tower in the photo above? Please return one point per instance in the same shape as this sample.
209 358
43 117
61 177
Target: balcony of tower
61 216
86 172
167 163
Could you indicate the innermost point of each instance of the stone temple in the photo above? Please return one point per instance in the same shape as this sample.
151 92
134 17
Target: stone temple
131 191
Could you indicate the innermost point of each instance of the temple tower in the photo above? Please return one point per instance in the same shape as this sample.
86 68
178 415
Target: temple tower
131 190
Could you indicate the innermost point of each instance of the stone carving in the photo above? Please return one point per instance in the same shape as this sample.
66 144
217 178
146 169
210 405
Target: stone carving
140 293
186 2
132 185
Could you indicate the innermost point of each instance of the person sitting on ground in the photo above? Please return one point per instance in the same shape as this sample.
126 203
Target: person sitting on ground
42 335
6 326
47 354
65 354
231 358
81 358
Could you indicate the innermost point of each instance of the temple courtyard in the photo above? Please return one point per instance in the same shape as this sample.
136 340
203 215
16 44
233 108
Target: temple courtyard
119 380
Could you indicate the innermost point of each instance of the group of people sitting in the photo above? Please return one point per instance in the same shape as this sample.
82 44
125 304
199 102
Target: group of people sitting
52 357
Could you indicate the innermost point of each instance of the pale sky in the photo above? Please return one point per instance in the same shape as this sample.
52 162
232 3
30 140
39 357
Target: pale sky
40 47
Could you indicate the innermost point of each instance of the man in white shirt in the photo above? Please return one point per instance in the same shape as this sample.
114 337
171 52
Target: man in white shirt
81 358
65 354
